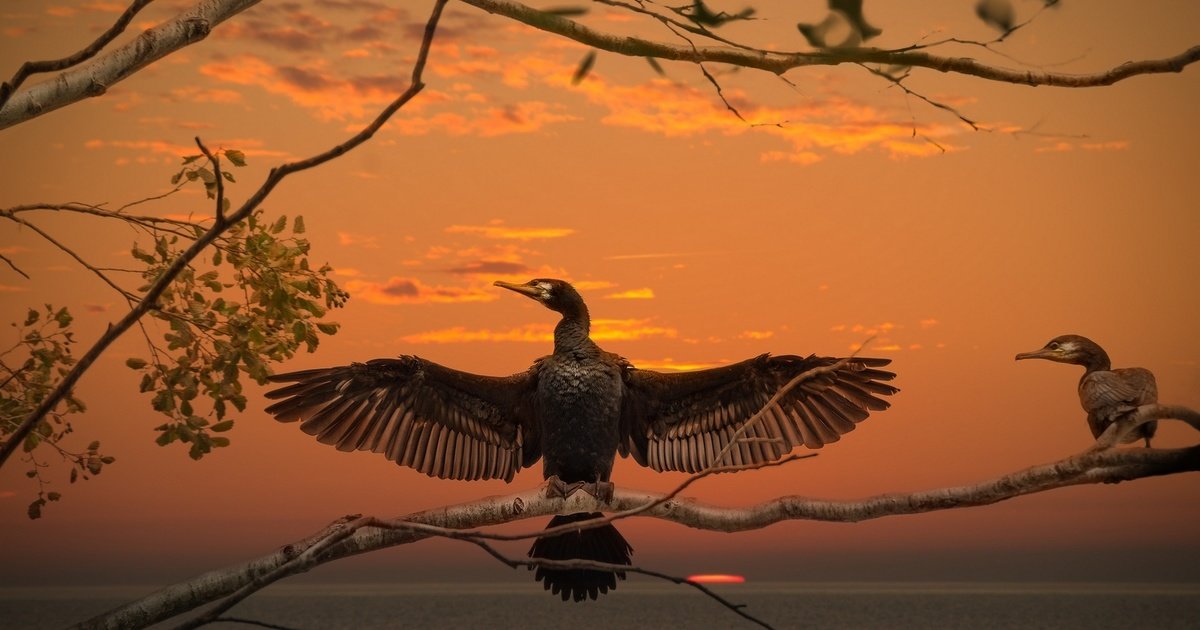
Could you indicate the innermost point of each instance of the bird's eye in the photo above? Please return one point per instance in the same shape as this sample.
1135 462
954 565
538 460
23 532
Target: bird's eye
1053 345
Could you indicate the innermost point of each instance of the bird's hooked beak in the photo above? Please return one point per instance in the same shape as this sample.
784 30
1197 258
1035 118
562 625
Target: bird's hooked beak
1052 354
528 289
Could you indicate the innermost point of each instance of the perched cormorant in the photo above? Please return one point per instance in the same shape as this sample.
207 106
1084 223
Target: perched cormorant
1106 394
576 409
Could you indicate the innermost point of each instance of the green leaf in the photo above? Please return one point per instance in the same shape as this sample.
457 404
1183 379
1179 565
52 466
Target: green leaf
222 427
53 496
237 157
655 65
216 258
329 328
279 224
585 67
63 317
32 317
298 225
227 175
35 509
192 158
95 445
135 364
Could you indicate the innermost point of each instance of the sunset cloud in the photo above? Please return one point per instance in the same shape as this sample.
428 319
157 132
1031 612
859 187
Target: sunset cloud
510 233
400 290
350 239
671 365
757 334
491 267
602 330
632 294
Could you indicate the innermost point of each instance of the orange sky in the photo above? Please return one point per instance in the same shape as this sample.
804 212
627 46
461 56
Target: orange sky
697 240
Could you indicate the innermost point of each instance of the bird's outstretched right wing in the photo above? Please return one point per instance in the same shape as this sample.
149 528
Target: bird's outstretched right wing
682 421
442 422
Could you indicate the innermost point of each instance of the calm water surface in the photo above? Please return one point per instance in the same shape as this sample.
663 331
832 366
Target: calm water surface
655 605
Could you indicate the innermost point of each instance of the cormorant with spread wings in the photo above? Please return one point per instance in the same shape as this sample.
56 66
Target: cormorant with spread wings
575 410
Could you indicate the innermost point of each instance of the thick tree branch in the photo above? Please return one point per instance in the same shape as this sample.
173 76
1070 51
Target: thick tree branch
150 298
34 67
1090 467
94 77
780 62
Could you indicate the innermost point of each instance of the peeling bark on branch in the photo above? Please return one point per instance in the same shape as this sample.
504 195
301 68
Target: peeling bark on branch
778 62
149 300
94 77
1089 467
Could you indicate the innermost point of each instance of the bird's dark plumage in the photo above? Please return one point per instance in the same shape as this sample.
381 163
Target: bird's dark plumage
576 409
1106 394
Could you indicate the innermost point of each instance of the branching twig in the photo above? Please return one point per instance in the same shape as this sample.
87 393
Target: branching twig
216 163
70 252
34 67
14 266
780 62
1106 466
899 82
277 174
531 563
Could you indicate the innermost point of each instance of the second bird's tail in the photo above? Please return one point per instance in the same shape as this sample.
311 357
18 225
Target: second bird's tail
601 544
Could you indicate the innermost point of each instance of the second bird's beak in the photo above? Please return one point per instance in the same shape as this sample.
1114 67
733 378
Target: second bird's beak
1044 353
523 289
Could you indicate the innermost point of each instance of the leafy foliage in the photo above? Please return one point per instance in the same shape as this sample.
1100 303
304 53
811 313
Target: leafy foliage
44 337
259 300
254 300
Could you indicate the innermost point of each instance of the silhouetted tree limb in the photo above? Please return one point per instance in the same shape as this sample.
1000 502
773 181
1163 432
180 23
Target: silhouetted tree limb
354 535
34 67
149 299
780 62
94 76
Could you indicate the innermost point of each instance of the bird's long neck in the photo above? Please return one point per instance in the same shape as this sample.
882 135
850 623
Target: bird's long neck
572 332
1096 360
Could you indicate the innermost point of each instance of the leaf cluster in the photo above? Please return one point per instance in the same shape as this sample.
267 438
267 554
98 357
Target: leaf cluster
257 300
44 338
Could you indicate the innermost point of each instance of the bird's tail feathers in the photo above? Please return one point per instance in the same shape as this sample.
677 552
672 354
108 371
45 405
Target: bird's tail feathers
600 544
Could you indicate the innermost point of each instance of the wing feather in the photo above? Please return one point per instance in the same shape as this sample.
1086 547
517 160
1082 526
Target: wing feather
442 422
682 421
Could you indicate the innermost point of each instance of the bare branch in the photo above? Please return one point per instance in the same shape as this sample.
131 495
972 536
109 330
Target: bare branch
530 563
70 252
95 76
14 266
1106 466
780 62
33 67
216 163
150 299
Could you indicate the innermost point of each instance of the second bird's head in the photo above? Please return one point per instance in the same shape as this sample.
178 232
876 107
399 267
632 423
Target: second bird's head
556 295
1065 349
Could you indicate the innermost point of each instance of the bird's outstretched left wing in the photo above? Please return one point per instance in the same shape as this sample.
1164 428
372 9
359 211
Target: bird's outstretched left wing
682 421
442 422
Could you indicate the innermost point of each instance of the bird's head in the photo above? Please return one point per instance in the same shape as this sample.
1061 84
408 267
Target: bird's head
1067 349
556 295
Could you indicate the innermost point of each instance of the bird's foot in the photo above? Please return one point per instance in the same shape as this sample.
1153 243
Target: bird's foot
557 488
602 490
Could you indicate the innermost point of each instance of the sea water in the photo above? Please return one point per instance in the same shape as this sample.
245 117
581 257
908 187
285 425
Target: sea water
641 604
